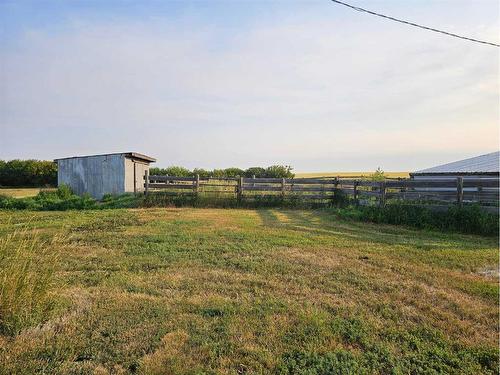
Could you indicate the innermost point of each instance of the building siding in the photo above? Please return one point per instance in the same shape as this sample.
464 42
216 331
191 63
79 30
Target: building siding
140 171
95 175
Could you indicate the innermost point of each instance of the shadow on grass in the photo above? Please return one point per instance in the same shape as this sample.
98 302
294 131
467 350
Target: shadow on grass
322 222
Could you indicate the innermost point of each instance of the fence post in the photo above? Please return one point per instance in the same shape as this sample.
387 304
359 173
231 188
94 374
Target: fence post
197 184
283 182
240 189
355 193
460 191
146 182
335 189
382 194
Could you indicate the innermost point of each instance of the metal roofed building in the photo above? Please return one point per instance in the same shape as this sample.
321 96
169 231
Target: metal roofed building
98 175
479 166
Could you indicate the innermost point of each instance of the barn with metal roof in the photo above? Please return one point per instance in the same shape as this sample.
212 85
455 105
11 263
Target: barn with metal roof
479 166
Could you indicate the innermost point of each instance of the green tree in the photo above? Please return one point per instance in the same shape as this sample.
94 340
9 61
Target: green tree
171 171
255 171
28 173
279 171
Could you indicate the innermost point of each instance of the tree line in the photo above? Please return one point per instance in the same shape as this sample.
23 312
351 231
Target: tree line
36 173
273 171
28 173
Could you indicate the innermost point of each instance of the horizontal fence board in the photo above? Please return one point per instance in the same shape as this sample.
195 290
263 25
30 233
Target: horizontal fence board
425 191
316 196
422 184
476 190
224 178
171 186
262 180
261 188
310 188
299 181
493 183
360 183
412 195
346 191
171 178
482 193
220 185
232 192
369 193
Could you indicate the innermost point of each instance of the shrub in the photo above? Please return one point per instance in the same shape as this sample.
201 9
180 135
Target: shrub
233 172
340 199
202 172
258 172
171 171
279 171
378 175
64 191
26 271
467 219
28 173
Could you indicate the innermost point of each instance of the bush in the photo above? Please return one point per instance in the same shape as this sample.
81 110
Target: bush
203 173
279 171
378 175
26 270
258 172
171 171
28 173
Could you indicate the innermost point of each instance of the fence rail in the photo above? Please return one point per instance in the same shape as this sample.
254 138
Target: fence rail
460 191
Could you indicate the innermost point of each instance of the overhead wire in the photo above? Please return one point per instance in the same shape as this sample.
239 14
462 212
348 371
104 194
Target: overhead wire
359 9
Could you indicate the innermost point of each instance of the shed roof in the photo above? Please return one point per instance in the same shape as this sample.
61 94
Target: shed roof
488 163
134 155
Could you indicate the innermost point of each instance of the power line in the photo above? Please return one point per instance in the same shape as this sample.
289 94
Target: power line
414 24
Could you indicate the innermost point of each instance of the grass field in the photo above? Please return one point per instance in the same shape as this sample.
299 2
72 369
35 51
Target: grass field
214 291
21 192
350 174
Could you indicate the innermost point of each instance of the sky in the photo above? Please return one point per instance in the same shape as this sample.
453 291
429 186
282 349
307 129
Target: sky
216 84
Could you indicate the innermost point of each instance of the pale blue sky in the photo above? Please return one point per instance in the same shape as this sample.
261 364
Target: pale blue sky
241 83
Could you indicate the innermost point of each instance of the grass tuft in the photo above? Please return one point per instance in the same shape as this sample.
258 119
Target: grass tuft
26 279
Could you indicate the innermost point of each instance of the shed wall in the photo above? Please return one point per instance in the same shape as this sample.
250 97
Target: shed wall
136 179
95 175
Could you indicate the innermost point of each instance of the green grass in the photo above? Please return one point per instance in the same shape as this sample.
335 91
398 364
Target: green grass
468 219
214 291
26 274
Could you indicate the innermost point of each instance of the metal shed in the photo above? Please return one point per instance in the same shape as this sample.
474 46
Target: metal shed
97 175
482 167
479 166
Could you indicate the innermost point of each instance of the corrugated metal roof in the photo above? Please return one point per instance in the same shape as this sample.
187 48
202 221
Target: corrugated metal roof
488 163
134 155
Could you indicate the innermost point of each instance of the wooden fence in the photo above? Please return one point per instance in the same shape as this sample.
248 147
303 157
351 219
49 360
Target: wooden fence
439 193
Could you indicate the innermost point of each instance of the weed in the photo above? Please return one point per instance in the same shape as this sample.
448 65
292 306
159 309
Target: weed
467 219
26 279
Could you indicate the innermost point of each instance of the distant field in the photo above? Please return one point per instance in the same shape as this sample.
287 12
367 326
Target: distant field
268 291
21 192
350 174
